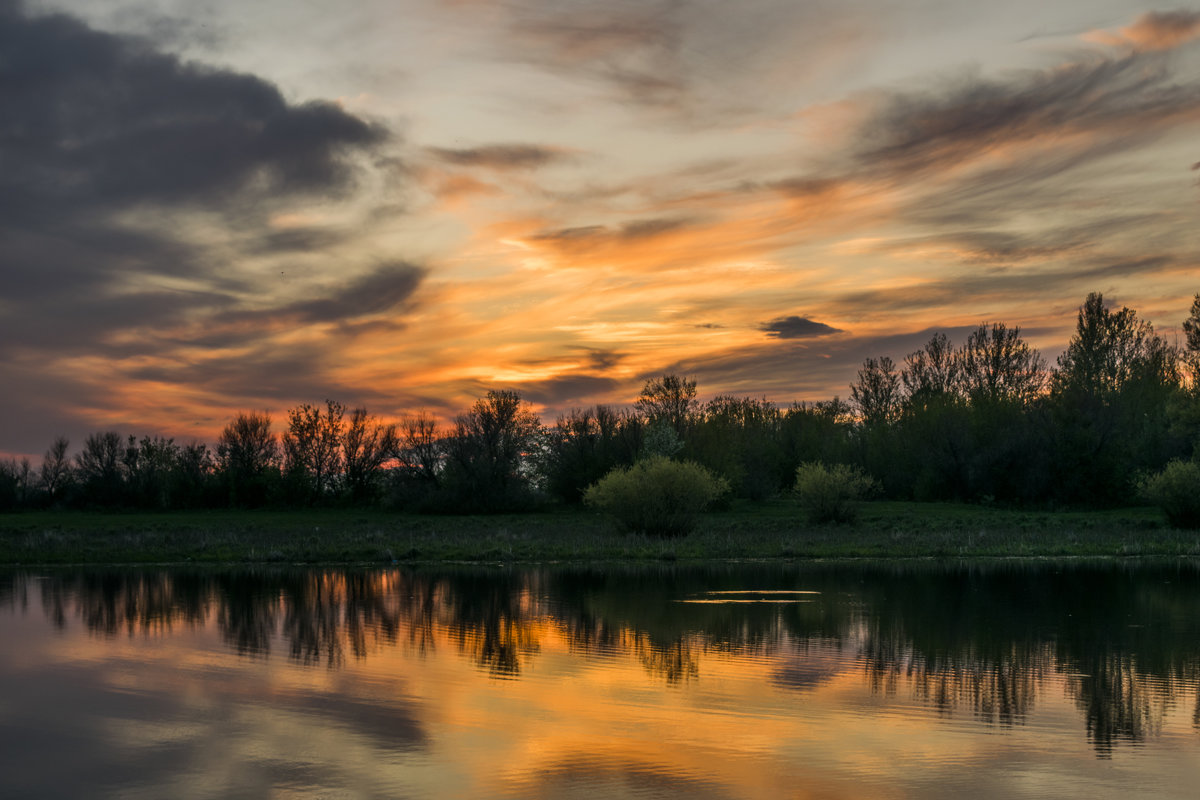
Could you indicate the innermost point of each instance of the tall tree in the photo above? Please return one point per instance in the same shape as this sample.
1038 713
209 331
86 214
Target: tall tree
1191 326
876 392
490 453
419 448
1111 349
55 473
999 366
312 446
367 445
670 399
933 371
100 469
16 483
1110 400
150 467
247 453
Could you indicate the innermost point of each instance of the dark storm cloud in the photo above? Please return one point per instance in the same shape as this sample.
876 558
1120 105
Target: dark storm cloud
96 125
93 120
796 328
499 156
110 148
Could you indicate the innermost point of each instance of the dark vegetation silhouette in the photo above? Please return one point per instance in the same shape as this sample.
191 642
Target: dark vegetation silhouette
986 421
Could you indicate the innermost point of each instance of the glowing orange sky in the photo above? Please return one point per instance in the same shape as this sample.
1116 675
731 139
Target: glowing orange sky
411 203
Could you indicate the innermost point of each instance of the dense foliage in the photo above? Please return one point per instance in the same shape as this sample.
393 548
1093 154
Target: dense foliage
656 496
830 493
1176 490
986 421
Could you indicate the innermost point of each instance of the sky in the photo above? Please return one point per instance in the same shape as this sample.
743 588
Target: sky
209 206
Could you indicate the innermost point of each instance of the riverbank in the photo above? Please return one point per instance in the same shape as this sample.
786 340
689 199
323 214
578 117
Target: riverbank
774 529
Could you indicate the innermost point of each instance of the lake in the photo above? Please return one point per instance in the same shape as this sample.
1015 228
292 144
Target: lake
841 679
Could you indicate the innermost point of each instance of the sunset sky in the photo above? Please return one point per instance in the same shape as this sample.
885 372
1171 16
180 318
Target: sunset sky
213 205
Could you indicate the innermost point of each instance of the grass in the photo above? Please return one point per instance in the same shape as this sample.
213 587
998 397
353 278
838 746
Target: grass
775 529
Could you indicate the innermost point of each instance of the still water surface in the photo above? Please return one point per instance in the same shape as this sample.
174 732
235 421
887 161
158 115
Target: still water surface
1010 679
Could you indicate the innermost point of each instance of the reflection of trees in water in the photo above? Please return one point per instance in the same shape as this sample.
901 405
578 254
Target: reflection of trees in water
1121 702
977 639
109 603
675 662
997 691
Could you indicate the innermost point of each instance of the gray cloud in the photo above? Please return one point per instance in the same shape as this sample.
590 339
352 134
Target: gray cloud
94 120
387 288
675 61
567 389
796 328
799 369
588 236
1010 284
96 125
99 129
1129 96
500 156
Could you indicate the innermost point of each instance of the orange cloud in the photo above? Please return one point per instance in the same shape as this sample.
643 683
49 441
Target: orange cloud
1152 31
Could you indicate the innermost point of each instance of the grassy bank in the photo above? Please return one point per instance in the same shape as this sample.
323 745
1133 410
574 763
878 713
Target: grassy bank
769 530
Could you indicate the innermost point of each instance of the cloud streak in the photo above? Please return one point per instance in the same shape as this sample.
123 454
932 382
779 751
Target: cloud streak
500 156
796 328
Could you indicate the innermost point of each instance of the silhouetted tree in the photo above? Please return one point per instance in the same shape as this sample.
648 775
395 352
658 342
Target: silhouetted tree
490 454
366 446
584 446
55 473
420 447
101 470
191 480
739 438
16 483
670 399
1109 401
149 467
312 447
997 365
247 455
931 372
876 392
1191 326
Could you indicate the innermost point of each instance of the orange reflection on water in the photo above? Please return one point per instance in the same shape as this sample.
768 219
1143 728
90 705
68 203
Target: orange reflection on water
497 684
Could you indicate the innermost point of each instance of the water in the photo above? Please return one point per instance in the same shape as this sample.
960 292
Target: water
1009 679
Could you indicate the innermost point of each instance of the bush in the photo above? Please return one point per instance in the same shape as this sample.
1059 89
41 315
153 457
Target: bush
1176 490
656 496
829 493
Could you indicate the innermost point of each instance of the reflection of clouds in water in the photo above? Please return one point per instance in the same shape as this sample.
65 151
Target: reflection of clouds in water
951 640
809 667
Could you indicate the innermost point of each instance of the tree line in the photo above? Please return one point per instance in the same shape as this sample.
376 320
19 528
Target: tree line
987 420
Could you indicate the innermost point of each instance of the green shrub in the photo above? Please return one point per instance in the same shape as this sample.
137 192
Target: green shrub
656 496
830 493
1176 490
